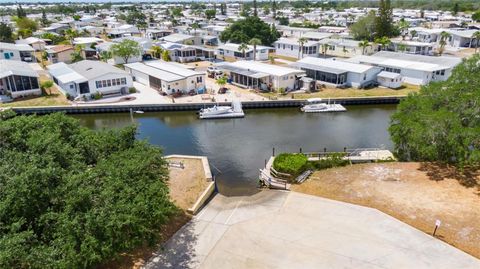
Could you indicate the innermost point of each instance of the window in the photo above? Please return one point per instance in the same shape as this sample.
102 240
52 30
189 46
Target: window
98 84
71 86
114 82
199 79
104 83
124 81
118 81
109 83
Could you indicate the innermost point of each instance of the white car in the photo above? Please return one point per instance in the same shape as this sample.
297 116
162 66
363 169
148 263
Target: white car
212 69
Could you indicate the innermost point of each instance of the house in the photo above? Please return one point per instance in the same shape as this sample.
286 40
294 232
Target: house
18 79
17 52
155 34
183 39
290 47
86 78
36 43
230 50
167 77
412 47
344 47
389 80
60 53
56 28
316 36
463 38
258 75
186 53
415 69
338 73
123 31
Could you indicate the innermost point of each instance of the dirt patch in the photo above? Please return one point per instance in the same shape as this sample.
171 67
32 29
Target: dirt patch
188 183
415 193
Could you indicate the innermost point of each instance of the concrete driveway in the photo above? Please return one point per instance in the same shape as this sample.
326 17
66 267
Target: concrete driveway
275 229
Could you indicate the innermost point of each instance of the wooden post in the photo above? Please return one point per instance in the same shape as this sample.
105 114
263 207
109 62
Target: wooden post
273 152
300 150
324 150
344 149
265 164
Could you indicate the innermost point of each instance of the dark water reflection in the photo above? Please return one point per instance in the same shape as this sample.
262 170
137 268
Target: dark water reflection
237 148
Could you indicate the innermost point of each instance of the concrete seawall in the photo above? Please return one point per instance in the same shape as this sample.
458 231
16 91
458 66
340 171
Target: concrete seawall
115 108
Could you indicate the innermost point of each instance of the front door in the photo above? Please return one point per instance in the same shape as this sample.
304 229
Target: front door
84 88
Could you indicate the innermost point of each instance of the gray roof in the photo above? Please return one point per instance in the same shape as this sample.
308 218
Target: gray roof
17 47
93 69
11 67
173 68
154 72
441 60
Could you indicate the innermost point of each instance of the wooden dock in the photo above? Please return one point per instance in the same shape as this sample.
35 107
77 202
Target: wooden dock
359 155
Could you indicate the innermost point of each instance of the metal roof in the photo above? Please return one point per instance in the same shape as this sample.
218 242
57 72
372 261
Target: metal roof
12 67
332 66
154 72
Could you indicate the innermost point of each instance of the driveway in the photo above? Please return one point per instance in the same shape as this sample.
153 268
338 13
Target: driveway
275 229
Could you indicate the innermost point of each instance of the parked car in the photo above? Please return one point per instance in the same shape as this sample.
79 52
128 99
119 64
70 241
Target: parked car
222 90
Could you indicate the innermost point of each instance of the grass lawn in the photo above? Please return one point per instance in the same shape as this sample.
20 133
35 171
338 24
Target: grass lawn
350 92
53 98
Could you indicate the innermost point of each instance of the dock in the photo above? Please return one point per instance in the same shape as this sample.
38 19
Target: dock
269 180
358 155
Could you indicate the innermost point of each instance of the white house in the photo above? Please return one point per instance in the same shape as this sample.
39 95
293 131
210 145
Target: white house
123 31
17 52
344 47
338 73
36 43
167 77
18 79
415 69
231 50
59 53
412 47
86 78
389 80
186 53
290 47
182 39
258 75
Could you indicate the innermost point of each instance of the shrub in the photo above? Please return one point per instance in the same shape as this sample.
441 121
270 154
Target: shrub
96 96
330 161
291 163
132 90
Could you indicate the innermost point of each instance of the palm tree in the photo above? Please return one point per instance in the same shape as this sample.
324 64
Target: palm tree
413 34
243 48
443 41
105 55
476 35
301 42
157 51
71 34
195 26
364 45
383 42
403 27
324 50
254 42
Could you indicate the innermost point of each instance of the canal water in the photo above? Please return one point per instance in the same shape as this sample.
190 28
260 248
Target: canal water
237 148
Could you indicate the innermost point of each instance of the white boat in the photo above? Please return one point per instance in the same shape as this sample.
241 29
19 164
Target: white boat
315 105
222 112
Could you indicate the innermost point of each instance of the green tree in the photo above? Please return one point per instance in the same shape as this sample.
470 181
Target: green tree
157 51
6 34
25 26
441 122
44 21
383 20
242 31
70 34
126 49
455 9
73 197
255 42
283 21
476 36
210 13
165 56
76 17
221 81
243 48
364 28
105 55
255 13
77 54
274 10
364 45
403 26
413 34
47 85
301 42
384 42
195 26
444 36
20 12
476 16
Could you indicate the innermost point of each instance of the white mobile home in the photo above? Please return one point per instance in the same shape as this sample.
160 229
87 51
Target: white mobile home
18 79
87 77
230 50
290 47
338 73
167 77
257 75
17 52
415 69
